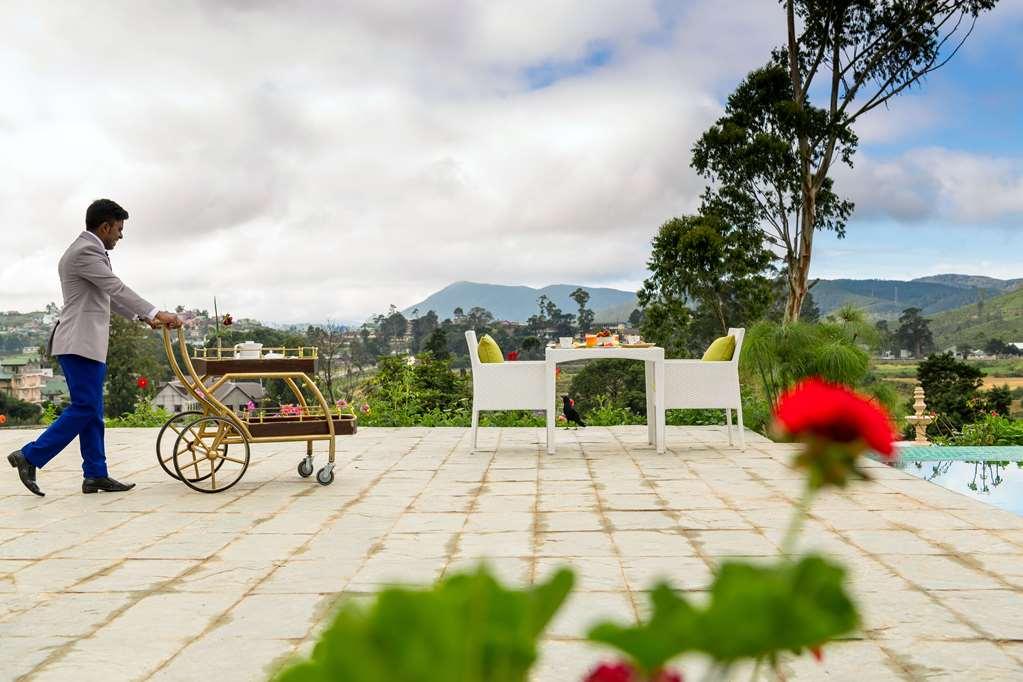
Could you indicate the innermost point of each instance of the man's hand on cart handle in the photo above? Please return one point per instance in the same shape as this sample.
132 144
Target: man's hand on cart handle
165 319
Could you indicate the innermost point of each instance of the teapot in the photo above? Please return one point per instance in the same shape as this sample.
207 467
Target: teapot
249 350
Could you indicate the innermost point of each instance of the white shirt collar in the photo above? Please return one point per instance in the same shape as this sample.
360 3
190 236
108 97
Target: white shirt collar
97 239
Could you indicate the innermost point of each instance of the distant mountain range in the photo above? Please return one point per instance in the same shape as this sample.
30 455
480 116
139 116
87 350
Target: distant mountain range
886 299
517 303
973 325
880 299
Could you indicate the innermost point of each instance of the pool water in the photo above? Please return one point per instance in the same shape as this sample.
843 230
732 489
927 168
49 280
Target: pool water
994 476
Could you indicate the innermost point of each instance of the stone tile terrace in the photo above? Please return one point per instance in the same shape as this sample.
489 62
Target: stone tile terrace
169 584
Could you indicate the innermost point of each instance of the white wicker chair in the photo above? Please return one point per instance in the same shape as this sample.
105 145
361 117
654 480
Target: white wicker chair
518 385
699 384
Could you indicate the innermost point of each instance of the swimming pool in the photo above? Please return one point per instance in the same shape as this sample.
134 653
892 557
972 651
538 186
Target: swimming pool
993 475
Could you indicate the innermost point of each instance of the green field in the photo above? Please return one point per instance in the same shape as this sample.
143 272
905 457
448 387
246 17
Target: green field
993 369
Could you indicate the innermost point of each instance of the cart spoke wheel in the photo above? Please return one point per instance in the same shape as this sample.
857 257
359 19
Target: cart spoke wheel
200 456
169 433
184 425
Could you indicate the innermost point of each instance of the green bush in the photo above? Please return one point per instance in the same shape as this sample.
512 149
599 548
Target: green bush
952 388
606 413
621 383
991 430
50 414
144 415
998 399
18 411
427 393
778 356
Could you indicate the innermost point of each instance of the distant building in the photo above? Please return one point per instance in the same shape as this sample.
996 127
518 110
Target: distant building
173 397
22 378
55 390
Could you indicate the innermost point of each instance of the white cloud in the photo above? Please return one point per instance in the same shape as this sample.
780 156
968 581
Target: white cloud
313 159
937 183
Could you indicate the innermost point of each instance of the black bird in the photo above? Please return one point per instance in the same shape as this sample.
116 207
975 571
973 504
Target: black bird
568 408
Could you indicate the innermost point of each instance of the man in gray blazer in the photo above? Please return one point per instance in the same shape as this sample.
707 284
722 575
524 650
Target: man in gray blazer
79 341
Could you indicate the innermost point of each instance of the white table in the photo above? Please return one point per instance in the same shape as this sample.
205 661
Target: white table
653 358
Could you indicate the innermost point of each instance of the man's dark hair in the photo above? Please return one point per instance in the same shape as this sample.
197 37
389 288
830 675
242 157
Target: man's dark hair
102 211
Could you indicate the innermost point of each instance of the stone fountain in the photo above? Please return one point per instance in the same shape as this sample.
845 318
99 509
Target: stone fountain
920 420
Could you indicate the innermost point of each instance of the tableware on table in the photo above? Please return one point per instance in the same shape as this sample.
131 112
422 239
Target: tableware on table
565 341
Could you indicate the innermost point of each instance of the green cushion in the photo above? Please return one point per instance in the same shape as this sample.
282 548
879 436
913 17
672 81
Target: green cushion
489 350
721 350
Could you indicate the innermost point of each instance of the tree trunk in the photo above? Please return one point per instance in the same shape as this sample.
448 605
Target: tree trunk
721 315
794 304
799 271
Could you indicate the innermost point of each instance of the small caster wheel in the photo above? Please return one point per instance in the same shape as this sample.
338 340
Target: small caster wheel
305 468
325 477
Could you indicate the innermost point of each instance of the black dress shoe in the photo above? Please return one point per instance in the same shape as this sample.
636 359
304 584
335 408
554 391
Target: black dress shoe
105 484
26 471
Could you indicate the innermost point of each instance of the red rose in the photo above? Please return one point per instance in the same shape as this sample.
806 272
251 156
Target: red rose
612 672
514 355
623 672
819 410
142 383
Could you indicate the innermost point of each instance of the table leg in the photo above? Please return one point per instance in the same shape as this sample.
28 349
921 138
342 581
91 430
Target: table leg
651 412
551 411
659 403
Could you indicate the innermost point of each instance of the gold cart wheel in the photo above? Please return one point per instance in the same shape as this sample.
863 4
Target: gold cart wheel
201 459
165 441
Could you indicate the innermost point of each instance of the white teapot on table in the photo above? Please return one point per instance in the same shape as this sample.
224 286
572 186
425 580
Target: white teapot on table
249 350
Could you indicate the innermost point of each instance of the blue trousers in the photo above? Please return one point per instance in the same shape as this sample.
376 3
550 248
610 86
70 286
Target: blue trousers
82 418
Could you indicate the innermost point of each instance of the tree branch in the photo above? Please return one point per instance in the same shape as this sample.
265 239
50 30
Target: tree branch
880 98
884 53
816 63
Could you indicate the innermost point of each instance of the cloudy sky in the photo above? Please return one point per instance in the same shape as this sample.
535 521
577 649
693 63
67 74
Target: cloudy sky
312 159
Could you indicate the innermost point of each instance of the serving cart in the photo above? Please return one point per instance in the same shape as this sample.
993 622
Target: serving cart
207 448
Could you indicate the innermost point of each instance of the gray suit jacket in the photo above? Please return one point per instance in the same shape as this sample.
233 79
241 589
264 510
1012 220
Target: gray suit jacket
91 290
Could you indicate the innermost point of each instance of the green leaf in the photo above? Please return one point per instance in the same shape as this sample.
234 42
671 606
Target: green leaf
757 611
754 612
651 645
467 628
